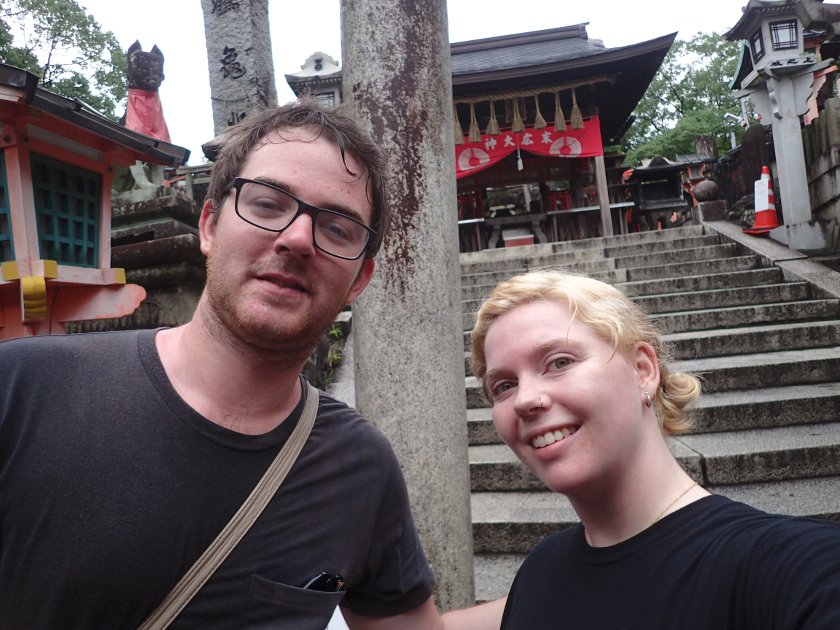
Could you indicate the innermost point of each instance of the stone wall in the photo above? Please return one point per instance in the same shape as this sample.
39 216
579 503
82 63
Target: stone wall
821 140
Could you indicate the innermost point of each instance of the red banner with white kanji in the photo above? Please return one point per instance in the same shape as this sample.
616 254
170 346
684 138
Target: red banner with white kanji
472 157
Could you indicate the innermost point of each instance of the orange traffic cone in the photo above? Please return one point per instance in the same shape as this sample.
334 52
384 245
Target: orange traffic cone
765 205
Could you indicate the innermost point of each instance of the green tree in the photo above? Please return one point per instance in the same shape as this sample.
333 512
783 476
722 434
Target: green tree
688 97
66 48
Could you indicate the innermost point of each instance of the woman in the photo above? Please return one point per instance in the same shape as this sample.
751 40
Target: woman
583 394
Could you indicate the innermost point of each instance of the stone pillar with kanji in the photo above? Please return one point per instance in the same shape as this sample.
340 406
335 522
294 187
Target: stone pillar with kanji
239 59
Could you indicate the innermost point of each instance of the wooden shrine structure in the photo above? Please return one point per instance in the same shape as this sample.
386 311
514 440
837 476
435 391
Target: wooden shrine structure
533 113
57 164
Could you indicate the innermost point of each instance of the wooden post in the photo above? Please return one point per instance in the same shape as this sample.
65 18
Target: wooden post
603 196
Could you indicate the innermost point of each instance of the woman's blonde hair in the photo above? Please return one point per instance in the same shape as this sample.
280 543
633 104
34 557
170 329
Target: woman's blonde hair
609 313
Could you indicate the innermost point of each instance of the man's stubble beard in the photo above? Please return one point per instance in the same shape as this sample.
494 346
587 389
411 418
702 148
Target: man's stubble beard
284 341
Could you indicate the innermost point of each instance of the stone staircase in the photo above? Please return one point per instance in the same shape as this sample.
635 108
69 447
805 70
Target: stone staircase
759 322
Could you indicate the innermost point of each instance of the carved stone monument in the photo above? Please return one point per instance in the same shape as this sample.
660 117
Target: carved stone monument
239 59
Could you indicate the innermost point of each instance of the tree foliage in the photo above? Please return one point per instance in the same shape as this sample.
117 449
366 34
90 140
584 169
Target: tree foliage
688 97
66 48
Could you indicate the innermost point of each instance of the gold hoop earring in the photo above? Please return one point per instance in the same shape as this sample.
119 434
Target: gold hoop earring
648 400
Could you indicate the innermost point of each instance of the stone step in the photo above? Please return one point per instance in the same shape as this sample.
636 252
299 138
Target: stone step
735 410
588 267
687 242
676 256
766 408
665 238
724 297
759 455
518 520
693 268
752 339
480 428
592 261
494 574
730 317
531 260
546 255
494 468
481 291
687 284
685 294
762 370
500 254
513 522
731 457
738 316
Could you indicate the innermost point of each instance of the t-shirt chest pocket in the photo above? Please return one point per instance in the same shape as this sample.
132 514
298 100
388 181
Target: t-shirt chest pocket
273 605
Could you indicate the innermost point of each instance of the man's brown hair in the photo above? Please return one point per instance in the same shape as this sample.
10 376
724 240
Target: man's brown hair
332 123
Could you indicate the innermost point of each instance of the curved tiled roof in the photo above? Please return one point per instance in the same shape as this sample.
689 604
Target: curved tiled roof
524 50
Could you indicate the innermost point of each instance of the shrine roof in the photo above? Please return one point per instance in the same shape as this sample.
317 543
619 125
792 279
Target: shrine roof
659 165
565 56
20 88
538 52
523 50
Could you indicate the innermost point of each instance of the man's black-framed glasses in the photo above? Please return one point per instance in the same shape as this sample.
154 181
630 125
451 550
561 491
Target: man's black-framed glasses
268 207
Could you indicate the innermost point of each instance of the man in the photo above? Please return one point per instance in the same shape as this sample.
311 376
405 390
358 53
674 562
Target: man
122 455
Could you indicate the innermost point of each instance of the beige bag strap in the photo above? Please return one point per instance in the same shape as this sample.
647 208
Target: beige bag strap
220 548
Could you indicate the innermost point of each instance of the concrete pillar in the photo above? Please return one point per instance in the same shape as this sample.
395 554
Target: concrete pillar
407 324
239 59
603 196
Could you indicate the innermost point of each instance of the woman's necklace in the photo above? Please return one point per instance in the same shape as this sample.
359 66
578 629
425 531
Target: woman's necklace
661 514
673 503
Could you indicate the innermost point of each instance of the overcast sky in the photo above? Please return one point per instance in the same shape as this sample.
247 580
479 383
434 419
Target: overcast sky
299 29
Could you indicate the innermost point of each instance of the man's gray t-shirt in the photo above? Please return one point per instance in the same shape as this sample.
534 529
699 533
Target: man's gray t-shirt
111 486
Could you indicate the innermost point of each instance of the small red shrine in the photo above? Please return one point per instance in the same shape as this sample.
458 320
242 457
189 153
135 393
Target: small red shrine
56 167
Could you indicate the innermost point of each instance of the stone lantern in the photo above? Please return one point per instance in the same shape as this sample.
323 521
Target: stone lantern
778 75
